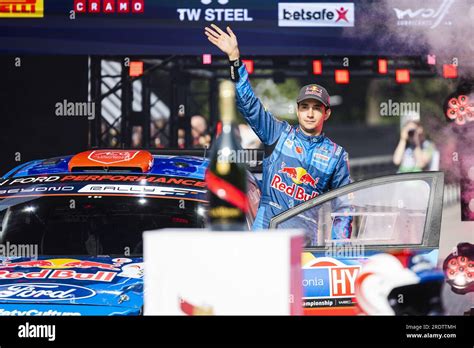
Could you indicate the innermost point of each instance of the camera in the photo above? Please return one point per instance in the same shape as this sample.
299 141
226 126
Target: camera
411 133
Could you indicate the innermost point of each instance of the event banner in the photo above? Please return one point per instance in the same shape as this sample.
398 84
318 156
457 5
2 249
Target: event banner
270 27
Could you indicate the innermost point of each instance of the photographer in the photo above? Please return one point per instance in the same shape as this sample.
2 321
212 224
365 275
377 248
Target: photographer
414 153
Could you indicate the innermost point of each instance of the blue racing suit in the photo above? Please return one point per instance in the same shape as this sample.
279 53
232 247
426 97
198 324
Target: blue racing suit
299 167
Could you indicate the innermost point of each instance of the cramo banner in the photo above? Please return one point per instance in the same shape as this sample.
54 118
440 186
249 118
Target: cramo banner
214 11
429 14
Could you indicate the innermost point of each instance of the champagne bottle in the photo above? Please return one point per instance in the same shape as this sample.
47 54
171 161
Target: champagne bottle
226 176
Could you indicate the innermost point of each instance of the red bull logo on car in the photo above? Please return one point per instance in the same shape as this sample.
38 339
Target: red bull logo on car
61 263
299 176
101 276
60 269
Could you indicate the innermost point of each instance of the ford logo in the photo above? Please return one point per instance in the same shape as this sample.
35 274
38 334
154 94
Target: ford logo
44 292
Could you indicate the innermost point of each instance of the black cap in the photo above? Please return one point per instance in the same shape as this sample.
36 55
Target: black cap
314 91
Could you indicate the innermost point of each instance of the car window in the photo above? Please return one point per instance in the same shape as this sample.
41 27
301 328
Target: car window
392 213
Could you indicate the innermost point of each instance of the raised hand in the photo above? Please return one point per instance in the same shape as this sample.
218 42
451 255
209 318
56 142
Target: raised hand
226 42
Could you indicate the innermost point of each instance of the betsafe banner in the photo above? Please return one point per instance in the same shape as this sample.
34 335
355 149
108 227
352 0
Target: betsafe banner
270 27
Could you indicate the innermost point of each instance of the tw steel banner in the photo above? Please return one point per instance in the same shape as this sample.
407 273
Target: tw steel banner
270 27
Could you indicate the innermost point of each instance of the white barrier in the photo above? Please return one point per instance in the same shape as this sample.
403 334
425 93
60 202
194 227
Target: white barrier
195 272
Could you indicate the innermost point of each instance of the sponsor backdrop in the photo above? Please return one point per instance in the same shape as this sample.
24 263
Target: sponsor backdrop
267 27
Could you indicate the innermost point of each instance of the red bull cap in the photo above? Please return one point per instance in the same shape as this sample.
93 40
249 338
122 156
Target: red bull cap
316 92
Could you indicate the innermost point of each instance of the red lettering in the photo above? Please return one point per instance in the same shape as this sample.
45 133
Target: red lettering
200 184
15 275
105 276
38 275
17 8
276 180
174 181
105 177
84 276
62 274
131 178
290 190
93 177
68 178
117 178
100 276
7 275
300 194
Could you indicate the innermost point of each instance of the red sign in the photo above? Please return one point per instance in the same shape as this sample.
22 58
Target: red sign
342 76
136 69
402 76
109 6
343 280
450 71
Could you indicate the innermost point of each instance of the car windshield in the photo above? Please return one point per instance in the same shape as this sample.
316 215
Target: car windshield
92 225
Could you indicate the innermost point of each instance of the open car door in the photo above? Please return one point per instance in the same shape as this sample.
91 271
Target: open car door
345 226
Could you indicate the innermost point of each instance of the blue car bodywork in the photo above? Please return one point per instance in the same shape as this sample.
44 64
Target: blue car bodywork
49 283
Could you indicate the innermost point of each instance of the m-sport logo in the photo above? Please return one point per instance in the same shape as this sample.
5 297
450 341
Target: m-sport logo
21 8
311 14
423 16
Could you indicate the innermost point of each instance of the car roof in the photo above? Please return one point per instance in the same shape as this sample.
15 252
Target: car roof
192 167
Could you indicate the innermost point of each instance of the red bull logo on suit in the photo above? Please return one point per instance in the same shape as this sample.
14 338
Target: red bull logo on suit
299 176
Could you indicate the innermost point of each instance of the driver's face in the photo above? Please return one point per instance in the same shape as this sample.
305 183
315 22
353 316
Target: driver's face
311 116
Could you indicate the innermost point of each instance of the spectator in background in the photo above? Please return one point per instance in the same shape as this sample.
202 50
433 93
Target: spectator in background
414 153
200 131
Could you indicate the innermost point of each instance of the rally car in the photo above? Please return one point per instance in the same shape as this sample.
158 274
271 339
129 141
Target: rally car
71 229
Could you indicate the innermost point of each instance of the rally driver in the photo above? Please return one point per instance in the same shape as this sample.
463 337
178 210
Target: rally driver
300 161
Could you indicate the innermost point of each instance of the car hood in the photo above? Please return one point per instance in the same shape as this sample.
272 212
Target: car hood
65 285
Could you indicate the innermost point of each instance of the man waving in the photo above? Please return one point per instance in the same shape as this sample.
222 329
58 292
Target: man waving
300 161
